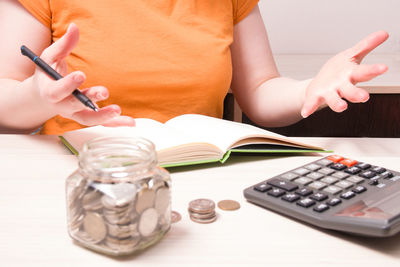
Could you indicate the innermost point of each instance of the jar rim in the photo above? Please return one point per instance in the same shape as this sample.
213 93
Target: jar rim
116 158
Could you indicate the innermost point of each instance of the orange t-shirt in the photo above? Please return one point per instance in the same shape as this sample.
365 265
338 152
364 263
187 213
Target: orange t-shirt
158 58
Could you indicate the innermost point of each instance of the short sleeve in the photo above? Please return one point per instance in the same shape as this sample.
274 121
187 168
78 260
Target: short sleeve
40 9
241 8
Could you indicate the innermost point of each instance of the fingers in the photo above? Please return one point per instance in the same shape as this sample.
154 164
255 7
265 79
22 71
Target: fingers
363 73
311 105
120 121
62 47
89 117
360 50
334 99
56 91
354 94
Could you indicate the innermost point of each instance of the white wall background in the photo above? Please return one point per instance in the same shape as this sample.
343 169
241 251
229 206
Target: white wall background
329 26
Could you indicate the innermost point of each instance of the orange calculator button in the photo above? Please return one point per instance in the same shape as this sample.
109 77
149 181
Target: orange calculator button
335 158
349 162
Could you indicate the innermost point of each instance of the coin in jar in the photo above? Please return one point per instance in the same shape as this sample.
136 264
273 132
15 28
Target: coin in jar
94 226
148 222
201 205
228 204
145 199
162 200
92 200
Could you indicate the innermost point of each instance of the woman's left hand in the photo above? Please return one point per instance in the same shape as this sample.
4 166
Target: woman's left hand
336 81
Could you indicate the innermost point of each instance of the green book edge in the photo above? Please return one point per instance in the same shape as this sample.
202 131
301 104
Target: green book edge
224 158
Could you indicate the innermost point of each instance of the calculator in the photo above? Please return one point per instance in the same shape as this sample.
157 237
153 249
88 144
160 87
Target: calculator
336 193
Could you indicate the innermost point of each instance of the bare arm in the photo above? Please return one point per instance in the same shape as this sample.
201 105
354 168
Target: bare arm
271 100
28 96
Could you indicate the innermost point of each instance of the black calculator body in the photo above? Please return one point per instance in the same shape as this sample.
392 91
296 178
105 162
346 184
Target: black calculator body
335 193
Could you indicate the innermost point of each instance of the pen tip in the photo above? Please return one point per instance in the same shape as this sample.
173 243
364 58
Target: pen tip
96 109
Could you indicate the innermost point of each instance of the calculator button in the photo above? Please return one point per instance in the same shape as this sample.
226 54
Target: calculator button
315 175
340 175
334 201
367 174
301 171
290 197
363 165
285 185
374 182
335 158
326 171
380 185
289 176
396 178
329 180
321 207
312 167
348 195
276 192
324 162
375 178
353 170
303 180
305 202
355 179
378 169
317 185
349 162
386 175
332 189
344 184
359 189
262 188
304 192
319 196
338 166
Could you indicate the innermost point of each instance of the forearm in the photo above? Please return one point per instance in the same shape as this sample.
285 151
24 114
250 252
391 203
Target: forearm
21 108
275 102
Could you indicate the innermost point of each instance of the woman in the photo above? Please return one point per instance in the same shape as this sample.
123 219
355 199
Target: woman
158 59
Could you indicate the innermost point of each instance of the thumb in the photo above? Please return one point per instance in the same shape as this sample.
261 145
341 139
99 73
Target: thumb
62 47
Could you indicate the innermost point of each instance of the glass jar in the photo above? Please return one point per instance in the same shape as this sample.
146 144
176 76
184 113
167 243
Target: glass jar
118 200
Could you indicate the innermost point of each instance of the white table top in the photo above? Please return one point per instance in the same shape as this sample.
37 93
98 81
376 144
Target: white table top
33 218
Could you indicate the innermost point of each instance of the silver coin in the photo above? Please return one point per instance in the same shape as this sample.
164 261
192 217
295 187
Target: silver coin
122 231
202 216
91 200
209 220
145 199
163 200
94 226
148 222
126 217
201 205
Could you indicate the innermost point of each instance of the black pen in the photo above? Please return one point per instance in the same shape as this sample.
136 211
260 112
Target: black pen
56 76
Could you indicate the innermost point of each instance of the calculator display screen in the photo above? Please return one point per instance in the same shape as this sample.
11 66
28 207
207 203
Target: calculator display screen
383 205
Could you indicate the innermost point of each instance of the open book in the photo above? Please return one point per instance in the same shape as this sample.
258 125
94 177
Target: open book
193 139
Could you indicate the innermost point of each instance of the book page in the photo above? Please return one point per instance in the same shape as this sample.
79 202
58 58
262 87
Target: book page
225 134
150 129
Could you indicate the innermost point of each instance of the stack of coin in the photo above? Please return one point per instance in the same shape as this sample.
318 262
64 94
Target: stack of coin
120 217
202 210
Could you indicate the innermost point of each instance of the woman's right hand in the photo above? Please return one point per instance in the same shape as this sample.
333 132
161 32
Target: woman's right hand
56 96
